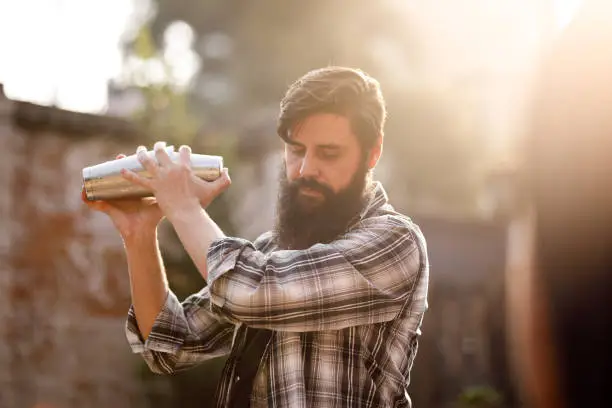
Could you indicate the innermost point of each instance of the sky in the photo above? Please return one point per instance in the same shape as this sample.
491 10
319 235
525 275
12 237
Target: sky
65 52
61 51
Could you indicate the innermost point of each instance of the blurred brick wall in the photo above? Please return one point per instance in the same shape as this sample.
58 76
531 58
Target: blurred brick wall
64 289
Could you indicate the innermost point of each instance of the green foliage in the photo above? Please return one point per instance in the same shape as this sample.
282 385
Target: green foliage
480 397
144 45
165 114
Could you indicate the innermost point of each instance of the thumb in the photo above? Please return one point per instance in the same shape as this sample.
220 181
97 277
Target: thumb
98 205
223 182
106 208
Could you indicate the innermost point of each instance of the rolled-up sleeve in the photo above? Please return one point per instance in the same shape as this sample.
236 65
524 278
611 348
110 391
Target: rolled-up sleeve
184 334
364 277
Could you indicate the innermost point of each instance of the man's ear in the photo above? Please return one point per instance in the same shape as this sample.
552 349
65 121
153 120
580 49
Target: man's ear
375 152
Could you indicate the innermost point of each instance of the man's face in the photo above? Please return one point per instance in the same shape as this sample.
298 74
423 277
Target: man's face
322 183
323 157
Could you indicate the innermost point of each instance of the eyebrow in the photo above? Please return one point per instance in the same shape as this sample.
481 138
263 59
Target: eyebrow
319 146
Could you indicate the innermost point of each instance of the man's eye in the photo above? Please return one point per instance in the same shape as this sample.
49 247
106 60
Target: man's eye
298 151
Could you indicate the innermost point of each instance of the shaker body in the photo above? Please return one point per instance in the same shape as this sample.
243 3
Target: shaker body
105 182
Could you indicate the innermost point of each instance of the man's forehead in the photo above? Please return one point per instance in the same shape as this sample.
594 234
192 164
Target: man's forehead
323 129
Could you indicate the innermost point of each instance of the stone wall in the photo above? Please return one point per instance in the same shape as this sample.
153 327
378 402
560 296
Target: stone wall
64 289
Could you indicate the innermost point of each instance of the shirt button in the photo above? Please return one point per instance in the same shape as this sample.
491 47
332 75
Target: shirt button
237 378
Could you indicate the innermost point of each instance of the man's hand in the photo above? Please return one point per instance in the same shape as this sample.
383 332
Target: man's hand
130 216
176 188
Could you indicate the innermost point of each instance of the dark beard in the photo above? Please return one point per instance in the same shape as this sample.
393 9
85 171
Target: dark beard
301 224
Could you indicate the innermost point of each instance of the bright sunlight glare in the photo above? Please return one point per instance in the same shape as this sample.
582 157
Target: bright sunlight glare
62 52
565 10
65 52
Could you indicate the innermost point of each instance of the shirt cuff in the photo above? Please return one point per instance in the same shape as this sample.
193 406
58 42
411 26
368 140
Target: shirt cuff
164 334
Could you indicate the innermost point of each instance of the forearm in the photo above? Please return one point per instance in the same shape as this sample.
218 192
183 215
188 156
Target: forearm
148 281
196 231
365 277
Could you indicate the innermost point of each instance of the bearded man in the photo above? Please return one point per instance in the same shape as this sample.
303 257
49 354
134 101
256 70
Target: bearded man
325 308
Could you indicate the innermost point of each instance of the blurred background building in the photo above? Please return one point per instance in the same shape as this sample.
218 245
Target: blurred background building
85 79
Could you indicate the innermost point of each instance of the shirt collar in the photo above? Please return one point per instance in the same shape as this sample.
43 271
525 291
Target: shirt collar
377 198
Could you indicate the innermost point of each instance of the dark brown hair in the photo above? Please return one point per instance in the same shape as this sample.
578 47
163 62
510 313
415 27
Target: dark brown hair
343 91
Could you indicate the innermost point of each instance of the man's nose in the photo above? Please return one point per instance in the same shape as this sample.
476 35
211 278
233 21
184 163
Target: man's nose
309 167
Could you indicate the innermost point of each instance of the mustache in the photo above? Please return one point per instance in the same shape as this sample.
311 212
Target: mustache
311 184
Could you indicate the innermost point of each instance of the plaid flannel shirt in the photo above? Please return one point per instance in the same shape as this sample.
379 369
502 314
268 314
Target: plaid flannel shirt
346 315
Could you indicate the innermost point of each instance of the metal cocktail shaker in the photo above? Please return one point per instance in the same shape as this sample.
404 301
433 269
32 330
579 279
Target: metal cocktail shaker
104 181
